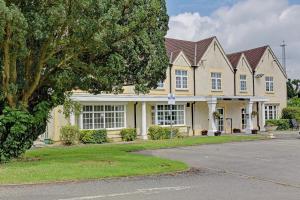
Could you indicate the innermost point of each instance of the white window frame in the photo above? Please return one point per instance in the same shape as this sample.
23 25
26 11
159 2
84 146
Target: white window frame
271 109
104 111
181 79
243 83
269 83
164 124
216 81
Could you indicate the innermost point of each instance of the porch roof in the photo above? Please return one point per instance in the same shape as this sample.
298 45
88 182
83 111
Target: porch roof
83 97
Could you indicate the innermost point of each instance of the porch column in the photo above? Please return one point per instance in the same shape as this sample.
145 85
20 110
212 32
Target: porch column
263 117
144 121
72 119
249 119
212 104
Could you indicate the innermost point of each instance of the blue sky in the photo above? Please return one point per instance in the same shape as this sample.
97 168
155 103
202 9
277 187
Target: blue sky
204 7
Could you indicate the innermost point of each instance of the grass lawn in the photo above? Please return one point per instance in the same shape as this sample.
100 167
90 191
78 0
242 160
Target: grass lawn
84 162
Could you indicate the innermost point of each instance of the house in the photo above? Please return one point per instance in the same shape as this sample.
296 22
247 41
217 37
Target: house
245 88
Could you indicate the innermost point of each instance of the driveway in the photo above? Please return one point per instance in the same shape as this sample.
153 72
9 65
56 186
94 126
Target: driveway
267 170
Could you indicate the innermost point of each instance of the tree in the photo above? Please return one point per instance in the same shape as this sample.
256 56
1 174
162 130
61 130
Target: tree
293 88
48 48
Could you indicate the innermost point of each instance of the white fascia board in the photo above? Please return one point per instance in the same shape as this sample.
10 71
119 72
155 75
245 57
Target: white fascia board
137 98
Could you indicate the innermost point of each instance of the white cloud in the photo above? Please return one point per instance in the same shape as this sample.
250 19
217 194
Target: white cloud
247 24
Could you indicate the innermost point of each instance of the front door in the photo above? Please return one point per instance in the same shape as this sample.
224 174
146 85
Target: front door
220 121
244 119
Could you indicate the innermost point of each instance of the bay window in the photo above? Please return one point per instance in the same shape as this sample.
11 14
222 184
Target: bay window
103 117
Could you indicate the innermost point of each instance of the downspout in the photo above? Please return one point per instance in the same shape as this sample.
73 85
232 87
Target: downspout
135 104
194 87
170 72
257 116
234 81
253 82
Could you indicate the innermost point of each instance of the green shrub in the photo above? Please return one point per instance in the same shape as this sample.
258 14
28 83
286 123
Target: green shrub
69 135
128 134
160 133
93 136
294 102
291 113
283 124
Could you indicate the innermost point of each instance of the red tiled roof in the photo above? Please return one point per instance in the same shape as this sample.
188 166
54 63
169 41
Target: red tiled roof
254 55
189 48
234 59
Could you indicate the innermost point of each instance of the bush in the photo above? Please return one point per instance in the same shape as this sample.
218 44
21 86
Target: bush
93 136
128 134
69 135
160 133
283 124
291 113
294 102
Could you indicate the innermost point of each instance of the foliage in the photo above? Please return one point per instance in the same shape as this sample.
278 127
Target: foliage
93 136
49 48
294 102
14 126
71 107
128 134
293 88
69 135
216 115
160 133
291 113
283 124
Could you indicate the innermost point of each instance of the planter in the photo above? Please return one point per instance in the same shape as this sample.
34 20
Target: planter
236 130
48 141
271 128
254 131
204 132
217 133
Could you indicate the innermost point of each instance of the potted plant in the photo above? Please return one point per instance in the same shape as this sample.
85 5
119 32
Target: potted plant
254 131
204 132
48 141
271 125
217 133
216 115
236 130
254 114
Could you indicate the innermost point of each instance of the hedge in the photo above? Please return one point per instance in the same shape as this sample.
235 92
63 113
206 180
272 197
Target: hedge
93 136
160 133
283 124
291 113
128 134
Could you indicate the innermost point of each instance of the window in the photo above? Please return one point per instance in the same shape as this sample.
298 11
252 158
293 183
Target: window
167 114
181 79
216 81
103 116
271 112
220 121
269 84
160 85
243 83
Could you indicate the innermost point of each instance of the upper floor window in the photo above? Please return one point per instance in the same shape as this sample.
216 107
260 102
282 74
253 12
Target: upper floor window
271 112
181 79
103 116
216 81
269 84
160 85
243 83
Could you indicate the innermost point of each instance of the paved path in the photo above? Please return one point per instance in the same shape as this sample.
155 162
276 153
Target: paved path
267 170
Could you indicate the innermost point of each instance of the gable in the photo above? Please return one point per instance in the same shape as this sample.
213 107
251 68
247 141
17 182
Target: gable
181 60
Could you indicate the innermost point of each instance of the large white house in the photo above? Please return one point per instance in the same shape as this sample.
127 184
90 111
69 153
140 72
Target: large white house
204 80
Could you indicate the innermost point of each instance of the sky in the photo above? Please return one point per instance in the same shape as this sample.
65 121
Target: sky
240 25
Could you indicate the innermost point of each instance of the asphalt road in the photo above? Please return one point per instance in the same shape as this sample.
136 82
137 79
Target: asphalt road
267 170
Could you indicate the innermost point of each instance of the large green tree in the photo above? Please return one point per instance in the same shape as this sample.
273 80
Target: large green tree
50 47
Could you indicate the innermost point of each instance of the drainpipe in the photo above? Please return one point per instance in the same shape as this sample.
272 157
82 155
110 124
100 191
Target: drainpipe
193 104
253 82
135 104
257 116
170 75
234 81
